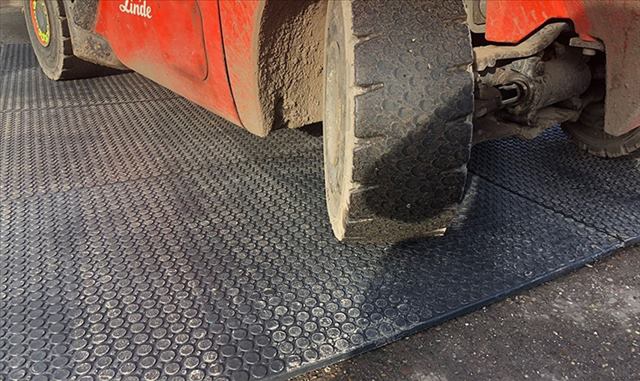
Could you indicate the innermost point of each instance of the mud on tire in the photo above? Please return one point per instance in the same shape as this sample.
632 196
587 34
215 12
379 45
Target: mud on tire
397 120
55 54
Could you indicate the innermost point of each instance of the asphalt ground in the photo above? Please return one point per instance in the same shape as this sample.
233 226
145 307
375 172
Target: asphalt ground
584 326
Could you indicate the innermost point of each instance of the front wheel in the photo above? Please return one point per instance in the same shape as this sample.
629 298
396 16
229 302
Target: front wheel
49 34
398 102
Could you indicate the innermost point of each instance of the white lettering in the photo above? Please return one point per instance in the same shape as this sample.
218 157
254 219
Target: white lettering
136 7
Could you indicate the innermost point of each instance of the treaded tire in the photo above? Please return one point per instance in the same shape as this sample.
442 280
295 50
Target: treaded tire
397 121
57 60
589 135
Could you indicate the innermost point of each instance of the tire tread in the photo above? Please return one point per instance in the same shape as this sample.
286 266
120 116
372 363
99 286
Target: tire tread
413 104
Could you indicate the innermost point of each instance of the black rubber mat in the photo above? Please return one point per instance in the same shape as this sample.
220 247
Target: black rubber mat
549 171
145 238
23 87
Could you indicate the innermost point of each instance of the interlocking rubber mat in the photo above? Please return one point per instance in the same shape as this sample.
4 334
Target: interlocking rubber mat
143 238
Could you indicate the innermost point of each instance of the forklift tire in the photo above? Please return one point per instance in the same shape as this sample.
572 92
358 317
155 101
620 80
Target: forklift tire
590 136
51 42
398 102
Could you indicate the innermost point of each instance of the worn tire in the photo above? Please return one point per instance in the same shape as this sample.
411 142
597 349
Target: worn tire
590 136
56 58
398 99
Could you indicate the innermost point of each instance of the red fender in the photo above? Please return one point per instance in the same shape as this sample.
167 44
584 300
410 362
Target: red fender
177 44
240 21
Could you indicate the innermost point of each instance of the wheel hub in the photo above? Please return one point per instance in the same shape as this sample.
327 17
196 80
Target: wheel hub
40 21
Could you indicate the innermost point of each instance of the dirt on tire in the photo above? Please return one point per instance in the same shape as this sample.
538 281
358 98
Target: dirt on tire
57 60
405 133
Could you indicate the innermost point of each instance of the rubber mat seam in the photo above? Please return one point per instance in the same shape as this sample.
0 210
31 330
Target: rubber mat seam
560 213
133 101
156 240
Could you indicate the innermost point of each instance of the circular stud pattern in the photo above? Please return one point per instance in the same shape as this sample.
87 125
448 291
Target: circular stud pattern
151 240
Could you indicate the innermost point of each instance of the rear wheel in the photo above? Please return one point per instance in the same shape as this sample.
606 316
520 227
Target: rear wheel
590 136
51 42
397 120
